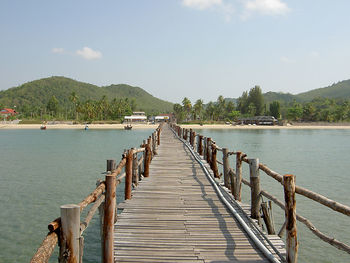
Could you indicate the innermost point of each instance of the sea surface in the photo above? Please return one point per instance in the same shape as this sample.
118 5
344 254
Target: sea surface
41 170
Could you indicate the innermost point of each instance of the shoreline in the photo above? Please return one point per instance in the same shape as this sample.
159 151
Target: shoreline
262 127
75 126
154 126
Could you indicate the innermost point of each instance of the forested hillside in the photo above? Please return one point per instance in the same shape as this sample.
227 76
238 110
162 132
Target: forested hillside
64 96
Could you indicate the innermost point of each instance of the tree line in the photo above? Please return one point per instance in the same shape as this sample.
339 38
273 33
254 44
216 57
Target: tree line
88 110
252 103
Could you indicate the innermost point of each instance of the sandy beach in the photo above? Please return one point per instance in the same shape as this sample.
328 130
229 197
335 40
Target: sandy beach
192 126
77 126
261 127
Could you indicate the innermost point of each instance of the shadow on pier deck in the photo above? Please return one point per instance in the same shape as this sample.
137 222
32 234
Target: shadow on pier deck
175 215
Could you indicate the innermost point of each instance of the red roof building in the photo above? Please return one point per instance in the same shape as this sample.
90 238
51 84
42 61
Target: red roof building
5 113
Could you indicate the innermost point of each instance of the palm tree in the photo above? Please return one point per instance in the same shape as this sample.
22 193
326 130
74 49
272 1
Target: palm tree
187 106
198 109
75 100
220 107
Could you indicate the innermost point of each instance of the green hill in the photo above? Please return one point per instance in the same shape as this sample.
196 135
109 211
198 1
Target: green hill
278 96
340 90
37 93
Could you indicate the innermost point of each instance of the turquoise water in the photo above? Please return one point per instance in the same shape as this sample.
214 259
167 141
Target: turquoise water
41 170
320 161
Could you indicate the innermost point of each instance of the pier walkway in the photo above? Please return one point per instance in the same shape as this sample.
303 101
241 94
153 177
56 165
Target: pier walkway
175 215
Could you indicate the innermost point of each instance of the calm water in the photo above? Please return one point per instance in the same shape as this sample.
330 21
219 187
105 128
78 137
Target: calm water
41 170
320 161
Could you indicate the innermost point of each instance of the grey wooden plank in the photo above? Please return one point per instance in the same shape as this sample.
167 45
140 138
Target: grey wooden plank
176 216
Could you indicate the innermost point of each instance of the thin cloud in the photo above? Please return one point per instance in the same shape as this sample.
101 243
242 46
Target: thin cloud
287 60
221 6
57 50
266 7
314 54
201 4
246 8
89 54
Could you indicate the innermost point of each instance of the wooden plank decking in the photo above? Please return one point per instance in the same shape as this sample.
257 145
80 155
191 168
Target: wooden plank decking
176 216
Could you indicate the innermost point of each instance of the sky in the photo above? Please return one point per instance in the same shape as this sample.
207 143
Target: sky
173 49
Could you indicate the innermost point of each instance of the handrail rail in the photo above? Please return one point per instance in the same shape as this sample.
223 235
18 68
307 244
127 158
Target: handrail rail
98 197
208 147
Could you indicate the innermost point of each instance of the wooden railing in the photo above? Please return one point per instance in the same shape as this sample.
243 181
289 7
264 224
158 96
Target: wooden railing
233 180
67 230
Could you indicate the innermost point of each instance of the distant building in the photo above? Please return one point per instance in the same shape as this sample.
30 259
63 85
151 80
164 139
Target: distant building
164 117
137 116
6 113
258 120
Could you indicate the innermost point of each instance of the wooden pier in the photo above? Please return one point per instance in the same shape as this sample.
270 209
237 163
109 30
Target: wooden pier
177 208
175 215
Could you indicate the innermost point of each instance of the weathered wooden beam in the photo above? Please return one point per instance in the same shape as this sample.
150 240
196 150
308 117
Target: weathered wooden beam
92 197
109 215
128 171
290 214
194 140
135 177
255 188
214 165
238 186
233 181
46 249
147 160
266 208
191 137
208 150
158 136
226 167
200 145
111 165
70 233
336 206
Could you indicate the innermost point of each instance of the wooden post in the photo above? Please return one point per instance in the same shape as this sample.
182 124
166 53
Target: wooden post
147 160
108 222
194 141
111 164
232 181
255 188
135 176
226 167
128 171
208 150
290 214
204 148
200 145
238 186
158 136
183 133
191 137
70 233
214 165
153 144
101 217
266 208
149 141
